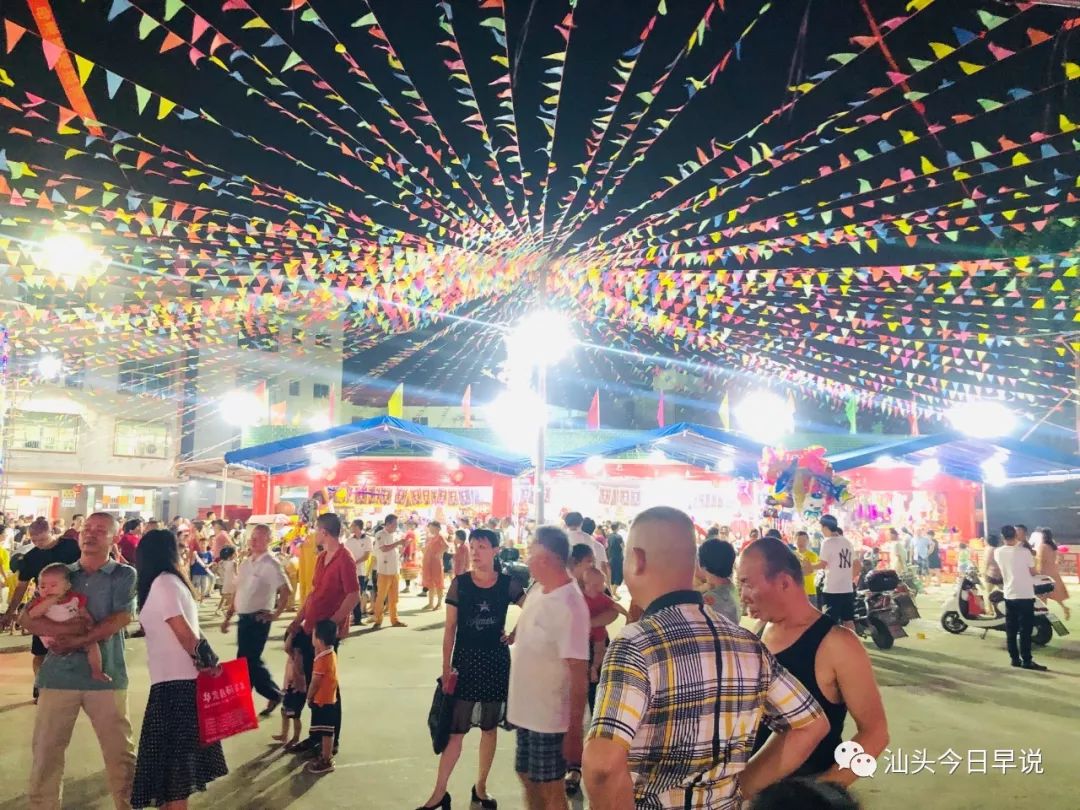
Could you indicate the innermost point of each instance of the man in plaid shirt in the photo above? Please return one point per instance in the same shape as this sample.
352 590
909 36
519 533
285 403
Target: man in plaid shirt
683 692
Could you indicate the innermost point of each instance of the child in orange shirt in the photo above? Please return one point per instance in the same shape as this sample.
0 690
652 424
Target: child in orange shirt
322 695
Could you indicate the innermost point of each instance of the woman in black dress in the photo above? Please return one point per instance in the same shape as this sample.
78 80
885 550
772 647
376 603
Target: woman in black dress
474 647
615 547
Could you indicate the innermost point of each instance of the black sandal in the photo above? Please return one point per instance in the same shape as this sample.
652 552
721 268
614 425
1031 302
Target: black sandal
573 785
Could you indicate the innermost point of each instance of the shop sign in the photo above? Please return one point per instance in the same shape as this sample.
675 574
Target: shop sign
67 499
420 496
619 496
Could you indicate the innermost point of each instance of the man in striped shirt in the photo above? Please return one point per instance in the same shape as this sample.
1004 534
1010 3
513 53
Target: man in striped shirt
683 692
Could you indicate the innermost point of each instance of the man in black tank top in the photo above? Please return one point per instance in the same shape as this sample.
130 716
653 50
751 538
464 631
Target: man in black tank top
829 660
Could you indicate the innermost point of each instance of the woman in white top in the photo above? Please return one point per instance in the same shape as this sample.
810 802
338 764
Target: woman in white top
171 764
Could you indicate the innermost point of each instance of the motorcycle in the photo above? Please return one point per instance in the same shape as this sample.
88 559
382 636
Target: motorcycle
966 608
883 607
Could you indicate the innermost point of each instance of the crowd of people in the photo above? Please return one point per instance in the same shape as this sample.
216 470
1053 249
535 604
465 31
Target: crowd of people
756 715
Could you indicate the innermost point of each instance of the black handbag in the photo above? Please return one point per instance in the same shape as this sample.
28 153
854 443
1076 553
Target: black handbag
442 708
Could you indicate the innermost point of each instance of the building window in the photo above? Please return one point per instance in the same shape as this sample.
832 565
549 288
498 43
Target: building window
294 388
45 432
420 420
321 391
146 376
322 340
141 439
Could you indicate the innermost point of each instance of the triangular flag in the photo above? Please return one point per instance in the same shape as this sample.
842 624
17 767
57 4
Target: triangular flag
395 406
85 67
52 52
466 406
593 421
12 33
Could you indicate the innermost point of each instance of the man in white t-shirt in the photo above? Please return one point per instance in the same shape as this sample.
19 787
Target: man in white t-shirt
361 546
262 592
549 672
573 521
1017 565
388 569
841 572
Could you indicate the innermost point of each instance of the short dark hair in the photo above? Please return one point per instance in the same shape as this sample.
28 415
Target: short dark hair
391 518
774 533
993 540
459 534
829 522
581 552
132 525
329 523
56 568
1022 526
1008 532
779 559
573 520
487 535
806 534
227 553
357 522
588 525
554 540
717 557
326 632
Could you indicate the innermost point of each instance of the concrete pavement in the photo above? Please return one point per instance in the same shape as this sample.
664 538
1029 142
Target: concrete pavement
942 693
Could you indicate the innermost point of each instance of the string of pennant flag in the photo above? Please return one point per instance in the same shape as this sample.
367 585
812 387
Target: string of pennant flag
250 168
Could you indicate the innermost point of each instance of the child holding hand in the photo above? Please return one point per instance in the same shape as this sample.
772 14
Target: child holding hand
292 702
322 695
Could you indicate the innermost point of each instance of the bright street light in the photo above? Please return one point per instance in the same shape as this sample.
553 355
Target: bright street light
765 417
982 419
541 338
50 366
516 415
68 256
240 408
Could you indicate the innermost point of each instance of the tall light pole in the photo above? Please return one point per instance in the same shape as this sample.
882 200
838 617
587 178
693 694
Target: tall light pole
539 340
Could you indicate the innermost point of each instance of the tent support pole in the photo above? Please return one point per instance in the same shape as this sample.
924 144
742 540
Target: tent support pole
986 514
541 384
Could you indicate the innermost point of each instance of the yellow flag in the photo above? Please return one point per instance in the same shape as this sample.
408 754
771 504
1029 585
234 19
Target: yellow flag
395 406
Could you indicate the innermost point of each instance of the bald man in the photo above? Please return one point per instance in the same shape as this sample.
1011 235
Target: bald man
660 682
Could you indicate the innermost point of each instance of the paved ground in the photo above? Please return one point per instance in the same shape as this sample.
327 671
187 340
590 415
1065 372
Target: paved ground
941 692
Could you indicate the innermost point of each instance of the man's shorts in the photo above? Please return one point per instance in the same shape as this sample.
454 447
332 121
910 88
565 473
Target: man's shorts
840 607
539 756
324 719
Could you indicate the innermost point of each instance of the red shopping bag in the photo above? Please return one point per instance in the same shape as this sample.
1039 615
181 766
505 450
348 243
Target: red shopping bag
225 705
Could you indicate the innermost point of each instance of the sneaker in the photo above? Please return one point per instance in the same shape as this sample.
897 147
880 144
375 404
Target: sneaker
303 746
398 624
1016 662
321 766
1033 666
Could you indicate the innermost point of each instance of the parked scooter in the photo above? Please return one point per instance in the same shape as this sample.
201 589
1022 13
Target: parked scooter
883 607
966 608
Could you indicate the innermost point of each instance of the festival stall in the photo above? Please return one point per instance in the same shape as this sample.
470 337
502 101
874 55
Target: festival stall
382 464
940 482
709 473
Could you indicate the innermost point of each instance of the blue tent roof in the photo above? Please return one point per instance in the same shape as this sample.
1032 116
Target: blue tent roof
380 432
962 456
698 445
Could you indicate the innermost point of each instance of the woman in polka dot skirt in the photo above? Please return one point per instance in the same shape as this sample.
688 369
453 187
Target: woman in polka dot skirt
475 653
